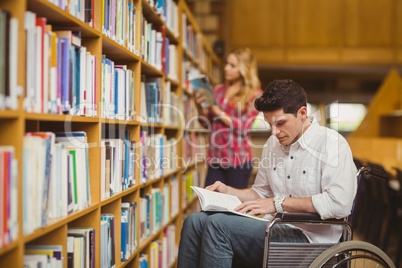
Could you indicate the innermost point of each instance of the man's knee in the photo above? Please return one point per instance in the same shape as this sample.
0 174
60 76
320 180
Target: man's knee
195 220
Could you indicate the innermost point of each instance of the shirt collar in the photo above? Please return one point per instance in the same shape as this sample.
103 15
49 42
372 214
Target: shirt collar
306 138
309 134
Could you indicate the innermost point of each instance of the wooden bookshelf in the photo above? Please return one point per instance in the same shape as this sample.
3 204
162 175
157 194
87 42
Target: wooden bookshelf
15 123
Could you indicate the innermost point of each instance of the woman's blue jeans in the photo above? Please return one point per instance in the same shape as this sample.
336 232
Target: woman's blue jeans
222 239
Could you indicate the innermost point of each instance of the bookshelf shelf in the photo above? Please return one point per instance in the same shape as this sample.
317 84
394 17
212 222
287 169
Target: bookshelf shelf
54 224
151 15
60 18
118 196
150 70
117 52
119 122
60 118
10 247
30 134
9 114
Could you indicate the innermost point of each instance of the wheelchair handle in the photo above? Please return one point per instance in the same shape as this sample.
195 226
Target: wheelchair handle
373 171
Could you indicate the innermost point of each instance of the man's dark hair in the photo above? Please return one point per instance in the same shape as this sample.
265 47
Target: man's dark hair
285 94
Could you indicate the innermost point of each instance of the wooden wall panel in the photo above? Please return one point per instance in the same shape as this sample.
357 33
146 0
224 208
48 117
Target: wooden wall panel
257 23
318 31
313 23
398 22
368 22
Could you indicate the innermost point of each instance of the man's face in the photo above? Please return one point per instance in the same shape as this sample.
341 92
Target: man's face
286 127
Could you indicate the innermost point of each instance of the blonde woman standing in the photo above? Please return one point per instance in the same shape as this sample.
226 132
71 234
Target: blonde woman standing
230 155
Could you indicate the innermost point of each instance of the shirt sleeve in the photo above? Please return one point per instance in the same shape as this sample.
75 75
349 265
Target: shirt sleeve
261 183
338 180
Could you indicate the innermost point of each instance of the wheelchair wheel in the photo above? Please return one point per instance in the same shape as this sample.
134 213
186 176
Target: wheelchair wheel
353 254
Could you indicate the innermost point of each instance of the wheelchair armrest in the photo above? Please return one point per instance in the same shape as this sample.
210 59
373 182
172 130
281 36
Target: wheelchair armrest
303 217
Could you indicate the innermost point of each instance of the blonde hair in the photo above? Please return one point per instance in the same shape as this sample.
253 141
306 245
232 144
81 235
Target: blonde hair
249 74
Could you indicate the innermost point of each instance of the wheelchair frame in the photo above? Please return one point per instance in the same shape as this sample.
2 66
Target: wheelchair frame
278 254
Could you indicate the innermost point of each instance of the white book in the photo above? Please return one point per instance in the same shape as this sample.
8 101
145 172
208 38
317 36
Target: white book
152 52
89 101
38 70
12 100
30 30
158 51
120 75
173 62
103 170
46 70
93 86
83 79
64 183
215 201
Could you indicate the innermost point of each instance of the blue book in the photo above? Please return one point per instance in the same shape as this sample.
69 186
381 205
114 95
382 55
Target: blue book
201 83
124 221
148 220
151 95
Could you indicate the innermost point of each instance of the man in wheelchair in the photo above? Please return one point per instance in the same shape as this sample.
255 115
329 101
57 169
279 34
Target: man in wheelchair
304 167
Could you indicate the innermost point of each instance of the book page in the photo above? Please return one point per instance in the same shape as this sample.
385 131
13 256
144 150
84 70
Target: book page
215 201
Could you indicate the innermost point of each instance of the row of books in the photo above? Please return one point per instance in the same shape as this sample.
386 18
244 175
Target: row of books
117 165
190 114
118 22
81 9
172 110
158 156
117 101
162 253
60 73
8 195
107 235
169 13
194 148
55 176
192 178
8 61
44 256
151 99
193 43
128 229
159 104
81 247
156 208
157 50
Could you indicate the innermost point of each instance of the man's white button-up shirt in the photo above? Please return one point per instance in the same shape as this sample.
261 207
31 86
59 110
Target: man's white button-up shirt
319 164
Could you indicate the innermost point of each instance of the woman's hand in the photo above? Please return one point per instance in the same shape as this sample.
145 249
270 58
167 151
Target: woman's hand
200 97
218 186
257 207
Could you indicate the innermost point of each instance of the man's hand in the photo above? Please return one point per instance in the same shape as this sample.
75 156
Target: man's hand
219 186
257 207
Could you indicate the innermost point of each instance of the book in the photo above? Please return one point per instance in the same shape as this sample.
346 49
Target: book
201 83
215 201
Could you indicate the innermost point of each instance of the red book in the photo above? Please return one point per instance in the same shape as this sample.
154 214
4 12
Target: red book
163 56
42 23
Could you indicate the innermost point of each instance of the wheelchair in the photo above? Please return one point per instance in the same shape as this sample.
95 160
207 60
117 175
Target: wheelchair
346 253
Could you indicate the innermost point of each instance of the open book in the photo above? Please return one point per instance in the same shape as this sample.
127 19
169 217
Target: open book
200 83
215 201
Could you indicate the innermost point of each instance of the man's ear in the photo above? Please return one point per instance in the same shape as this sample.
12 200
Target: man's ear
303 112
